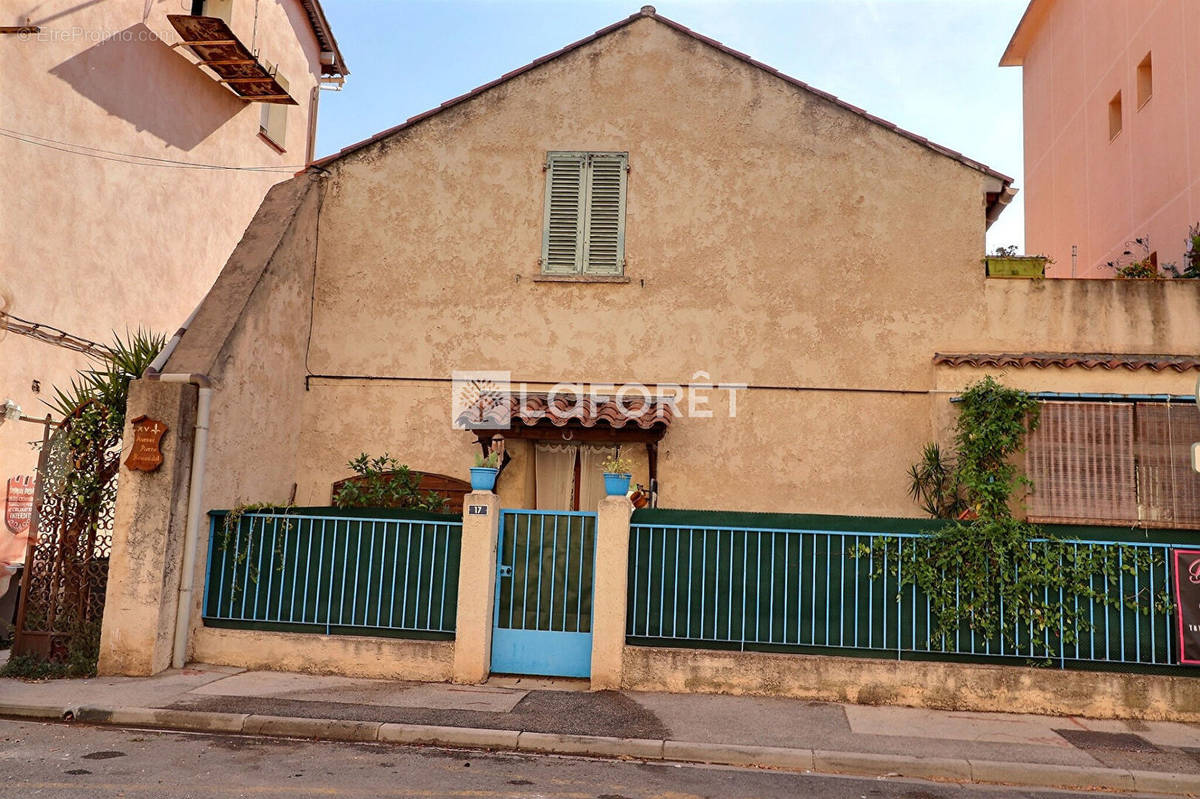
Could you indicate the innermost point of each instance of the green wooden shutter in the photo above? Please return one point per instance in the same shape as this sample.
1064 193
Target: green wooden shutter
604 224
562 241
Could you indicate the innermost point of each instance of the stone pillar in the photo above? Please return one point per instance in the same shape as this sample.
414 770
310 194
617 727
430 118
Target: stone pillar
476 587
611 587
147 540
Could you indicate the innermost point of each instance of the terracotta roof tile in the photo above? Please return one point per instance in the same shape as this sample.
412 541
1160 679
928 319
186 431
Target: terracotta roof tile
1066 360
946 151
568 409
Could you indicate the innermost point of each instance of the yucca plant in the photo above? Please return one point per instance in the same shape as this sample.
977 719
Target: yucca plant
107 383
934 484
93 409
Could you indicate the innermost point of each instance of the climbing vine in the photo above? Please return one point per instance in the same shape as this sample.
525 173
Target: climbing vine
237 539
997 576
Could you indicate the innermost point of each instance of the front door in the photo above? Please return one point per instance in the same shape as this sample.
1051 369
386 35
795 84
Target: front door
543 617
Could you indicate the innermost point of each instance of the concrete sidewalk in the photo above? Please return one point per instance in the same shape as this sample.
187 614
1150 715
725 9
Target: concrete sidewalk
564 717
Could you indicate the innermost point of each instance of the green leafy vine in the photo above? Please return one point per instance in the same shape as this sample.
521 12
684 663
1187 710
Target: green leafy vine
384 482
996 575
237 538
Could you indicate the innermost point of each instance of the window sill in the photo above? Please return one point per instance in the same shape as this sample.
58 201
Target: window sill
262 134
581 279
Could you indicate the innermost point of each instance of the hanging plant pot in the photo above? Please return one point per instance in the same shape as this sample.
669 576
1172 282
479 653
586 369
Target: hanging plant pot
616 485
483 478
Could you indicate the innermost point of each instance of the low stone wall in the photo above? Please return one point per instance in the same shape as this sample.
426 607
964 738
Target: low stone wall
942 686
345 655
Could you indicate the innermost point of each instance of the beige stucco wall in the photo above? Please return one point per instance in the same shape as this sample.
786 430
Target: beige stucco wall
147 544
251 334
772 239
347 655
943 686
91 244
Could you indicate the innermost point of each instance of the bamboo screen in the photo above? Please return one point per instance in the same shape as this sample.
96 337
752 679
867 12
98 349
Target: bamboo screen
1115 462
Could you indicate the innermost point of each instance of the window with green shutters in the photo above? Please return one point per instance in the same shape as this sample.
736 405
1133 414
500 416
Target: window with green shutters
585 214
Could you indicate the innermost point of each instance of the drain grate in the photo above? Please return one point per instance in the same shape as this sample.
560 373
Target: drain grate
1112 741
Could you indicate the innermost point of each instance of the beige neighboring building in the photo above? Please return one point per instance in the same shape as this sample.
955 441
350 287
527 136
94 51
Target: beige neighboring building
131 171
644 206
1112 134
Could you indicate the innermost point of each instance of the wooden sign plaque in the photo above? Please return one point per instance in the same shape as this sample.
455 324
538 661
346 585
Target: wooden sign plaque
146 453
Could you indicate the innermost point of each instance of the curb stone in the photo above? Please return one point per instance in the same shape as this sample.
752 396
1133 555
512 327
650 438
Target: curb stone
852 763
56 712
874 765
448 736
335 730
198 720
1113 779
735 755
1166 782
595 745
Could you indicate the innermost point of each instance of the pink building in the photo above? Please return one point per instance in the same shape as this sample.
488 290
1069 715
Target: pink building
1110 152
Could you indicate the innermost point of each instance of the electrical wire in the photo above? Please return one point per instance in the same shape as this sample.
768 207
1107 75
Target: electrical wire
136 160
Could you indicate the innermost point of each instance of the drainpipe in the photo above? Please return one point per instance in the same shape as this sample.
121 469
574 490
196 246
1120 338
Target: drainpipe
183 609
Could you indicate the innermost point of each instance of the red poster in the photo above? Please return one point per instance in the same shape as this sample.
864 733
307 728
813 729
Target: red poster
1186 568
18 509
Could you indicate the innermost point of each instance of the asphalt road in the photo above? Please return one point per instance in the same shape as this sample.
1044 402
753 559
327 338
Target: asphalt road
55 760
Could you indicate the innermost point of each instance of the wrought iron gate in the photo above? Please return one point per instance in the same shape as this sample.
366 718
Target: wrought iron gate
543 617
66 563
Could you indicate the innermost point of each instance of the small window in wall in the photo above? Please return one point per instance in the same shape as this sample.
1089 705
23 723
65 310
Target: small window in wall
273 123
1145 81
584 231
1114 116
213 8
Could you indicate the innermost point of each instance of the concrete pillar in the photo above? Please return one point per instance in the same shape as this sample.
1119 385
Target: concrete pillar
476 587
611 587
147 540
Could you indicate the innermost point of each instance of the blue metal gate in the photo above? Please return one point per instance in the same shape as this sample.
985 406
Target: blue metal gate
543 619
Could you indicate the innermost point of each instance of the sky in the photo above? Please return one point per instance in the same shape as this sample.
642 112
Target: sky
927 65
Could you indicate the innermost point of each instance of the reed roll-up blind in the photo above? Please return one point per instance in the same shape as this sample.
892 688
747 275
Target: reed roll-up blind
1115 462
1081 462
1168 487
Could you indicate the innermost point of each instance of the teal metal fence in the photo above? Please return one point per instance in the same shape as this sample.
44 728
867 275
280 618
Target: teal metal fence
313 570
814 589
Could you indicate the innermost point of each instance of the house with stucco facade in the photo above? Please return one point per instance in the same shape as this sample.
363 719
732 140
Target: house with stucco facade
763 296
138 139
1109 132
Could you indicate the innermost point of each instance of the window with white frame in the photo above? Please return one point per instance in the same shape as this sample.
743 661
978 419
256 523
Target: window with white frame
584 229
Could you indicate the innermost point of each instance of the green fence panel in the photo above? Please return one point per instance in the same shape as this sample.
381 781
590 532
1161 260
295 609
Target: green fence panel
331 573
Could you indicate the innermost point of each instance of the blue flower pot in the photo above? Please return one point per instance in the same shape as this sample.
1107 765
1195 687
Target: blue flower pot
483 478
616 485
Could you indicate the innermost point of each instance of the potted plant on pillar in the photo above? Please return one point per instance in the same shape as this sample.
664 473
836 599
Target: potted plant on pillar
483 473
617 473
